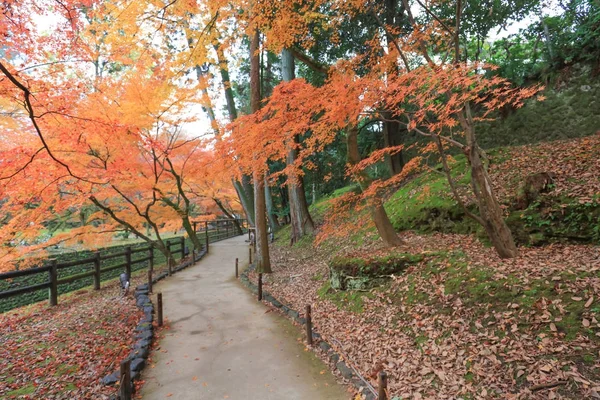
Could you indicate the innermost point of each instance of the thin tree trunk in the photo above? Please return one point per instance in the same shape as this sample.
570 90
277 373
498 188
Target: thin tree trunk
263 262
392 135
273 221
244 188
302 223
489 208
378 214
229 215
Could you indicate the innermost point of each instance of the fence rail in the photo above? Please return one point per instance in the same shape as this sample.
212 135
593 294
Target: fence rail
212 231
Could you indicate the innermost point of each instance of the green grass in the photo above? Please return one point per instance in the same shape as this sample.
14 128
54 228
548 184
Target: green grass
25 390
348 300
483 290
426 204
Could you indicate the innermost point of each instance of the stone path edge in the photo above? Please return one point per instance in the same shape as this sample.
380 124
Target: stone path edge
294 315
144 330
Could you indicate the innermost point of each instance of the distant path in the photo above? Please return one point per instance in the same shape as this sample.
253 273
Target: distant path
223 345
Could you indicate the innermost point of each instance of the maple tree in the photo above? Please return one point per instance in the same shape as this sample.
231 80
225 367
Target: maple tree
143 179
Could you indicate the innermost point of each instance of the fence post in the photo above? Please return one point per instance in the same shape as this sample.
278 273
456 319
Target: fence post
382 385
169 258
206 233
159 304
182 241
125 388
149 281
97 271
195 233
309 338
53 275
128 262
250 255
236 268
260 287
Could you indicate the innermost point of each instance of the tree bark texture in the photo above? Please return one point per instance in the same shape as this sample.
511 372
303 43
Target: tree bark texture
244 188
262 259
273 220
302 223
489 209
378 214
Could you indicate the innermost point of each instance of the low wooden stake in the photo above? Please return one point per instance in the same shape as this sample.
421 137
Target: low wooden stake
309 337
250 255
236 268
125 388
382 385
259 287
160 308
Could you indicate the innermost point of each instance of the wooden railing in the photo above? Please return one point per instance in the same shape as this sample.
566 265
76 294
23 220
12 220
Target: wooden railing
103 261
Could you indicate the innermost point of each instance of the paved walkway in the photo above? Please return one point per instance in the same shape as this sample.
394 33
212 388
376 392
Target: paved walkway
222 344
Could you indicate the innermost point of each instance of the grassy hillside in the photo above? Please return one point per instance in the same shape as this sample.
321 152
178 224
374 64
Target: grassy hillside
461 322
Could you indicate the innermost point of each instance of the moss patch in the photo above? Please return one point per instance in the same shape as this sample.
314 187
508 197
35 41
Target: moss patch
360 272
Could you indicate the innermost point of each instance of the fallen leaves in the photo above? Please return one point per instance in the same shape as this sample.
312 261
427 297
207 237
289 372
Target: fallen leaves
62 352
442 346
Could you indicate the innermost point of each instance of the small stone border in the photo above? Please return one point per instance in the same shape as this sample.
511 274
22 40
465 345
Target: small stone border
144 331
332 355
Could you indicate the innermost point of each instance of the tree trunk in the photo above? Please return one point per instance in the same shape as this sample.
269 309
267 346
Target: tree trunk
489 208
378 214
273 221
263 262
392 136
245 194
229 215
302 223
244 188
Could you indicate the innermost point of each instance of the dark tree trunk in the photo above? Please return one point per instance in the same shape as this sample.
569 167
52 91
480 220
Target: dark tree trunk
489 209
302 223
378 214
244 188
263 262
273 221
392 136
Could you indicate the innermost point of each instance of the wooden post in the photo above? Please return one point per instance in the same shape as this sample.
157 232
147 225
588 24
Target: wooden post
182 242
128 261
206 233
195 232
309 338
125 391
250 255
259 287
97 271
53 275
169 258
382 385
149 281
236 268
160 308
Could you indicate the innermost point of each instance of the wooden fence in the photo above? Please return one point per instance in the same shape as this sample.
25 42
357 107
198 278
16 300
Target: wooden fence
103 262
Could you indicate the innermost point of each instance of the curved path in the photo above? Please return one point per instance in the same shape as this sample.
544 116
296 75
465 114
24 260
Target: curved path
223 344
